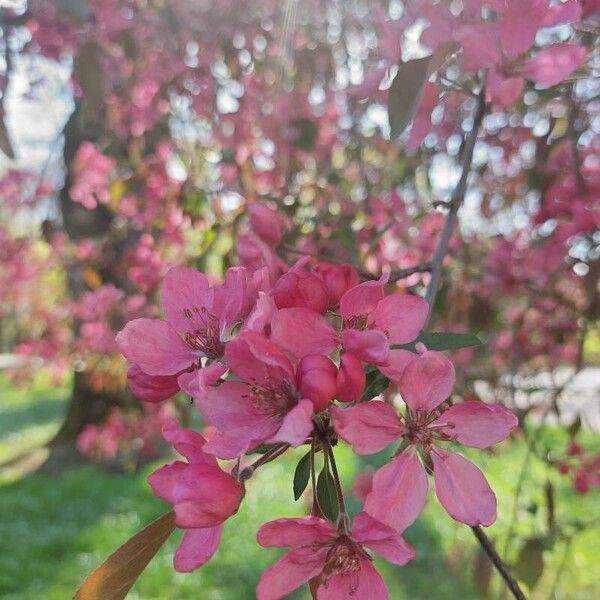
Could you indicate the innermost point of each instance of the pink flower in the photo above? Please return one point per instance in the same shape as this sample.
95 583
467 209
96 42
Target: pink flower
301 288
198 322
270 402
338 279
203 495
460 486
371 322
338 559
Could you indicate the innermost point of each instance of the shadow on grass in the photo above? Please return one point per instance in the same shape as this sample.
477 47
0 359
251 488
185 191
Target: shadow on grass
18 418
55 529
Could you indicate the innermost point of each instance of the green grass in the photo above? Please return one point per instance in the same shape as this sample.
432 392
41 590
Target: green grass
55 529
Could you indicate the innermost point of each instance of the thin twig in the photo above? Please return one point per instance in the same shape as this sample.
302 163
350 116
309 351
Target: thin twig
500 565
456 200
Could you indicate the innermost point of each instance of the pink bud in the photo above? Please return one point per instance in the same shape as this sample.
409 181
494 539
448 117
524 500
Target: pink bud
338 279
350 379
151 388
562 467
574 449
301 289
266 222
581 481
316 379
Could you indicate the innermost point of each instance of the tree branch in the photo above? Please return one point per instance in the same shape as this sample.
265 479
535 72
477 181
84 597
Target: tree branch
500 565
456 200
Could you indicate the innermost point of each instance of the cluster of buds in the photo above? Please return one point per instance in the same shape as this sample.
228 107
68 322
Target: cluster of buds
582 467
279 363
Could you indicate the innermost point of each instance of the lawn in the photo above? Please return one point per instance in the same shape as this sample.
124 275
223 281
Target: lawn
55 529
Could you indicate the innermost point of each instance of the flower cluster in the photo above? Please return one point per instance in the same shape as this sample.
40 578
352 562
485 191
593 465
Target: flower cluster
302 359
583 468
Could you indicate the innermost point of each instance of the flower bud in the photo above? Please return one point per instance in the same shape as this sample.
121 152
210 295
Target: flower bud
301 289
151 388
316 380
350 379
338 279
267 223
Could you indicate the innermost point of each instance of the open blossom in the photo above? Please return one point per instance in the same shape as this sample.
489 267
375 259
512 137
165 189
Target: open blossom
339 559
338 279
371 323
460 486
199 319
270 402
203 495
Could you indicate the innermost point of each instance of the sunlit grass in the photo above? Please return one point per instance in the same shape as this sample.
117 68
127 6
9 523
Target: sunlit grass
55 529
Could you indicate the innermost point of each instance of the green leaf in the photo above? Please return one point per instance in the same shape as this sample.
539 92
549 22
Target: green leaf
407 87
530 564
301 475
326 495
441 340
376 383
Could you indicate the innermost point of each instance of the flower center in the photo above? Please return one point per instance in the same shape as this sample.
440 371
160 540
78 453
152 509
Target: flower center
356 322
273 397
421 427
344 559
204 334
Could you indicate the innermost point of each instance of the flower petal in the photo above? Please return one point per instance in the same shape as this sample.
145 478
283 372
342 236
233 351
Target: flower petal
155 347
370 585
400 316
188 443
301 331
462 489
555 63
399 492
302 531
381 539
151 388
427 381
368 427
477 424
296 425
290 572
184 289
230 297
370 345
197 547
362 299
398 360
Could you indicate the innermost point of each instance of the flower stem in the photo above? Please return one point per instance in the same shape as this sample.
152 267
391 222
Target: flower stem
267 457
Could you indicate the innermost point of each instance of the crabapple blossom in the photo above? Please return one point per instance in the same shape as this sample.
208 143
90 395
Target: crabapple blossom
203 496
338 558
461 488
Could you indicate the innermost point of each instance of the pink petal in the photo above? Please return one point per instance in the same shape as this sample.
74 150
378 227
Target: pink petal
366 584
362 299
252 357
520 23
197 382
290 572
155 347
230 298
188 443
477 424
182 290
381 539
151 388
567 12
297 424
370 345
163 480
261 315
368 427
301 331
427 381
351 379
553 64
398 360
462 489
294 532
480 45
235 442
399 492
197 547
400 316
503 91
